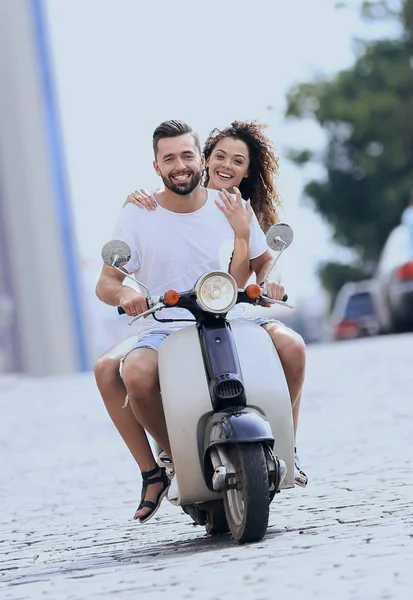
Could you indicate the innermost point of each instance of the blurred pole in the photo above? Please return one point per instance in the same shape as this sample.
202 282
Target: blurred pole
35 228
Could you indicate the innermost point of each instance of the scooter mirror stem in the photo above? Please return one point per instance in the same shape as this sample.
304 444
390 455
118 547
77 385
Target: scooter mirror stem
135 281
274 263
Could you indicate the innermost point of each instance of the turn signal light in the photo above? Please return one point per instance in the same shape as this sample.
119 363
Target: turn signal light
253 291
405 271
171 298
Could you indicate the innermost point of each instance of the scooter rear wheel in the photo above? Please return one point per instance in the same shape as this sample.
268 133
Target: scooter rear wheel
247 504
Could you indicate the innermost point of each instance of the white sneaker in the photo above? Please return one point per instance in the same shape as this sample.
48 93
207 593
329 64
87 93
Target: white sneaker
300 477
165 461
173 492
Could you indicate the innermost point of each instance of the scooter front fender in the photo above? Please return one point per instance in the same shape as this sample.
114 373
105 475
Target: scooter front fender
237 426
242 426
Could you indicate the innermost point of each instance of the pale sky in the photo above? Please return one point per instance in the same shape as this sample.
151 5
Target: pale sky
122 67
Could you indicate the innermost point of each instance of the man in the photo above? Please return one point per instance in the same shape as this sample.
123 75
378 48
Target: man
171 248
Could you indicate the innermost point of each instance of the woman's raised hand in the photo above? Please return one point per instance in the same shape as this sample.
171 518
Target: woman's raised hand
142 199
238 214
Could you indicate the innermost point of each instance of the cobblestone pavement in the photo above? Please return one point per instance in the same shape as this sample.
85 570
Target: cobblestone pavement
69 490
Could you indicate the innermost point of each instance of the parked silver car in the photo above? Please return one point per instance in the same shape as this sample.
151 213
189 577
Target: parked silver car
355 311
394 279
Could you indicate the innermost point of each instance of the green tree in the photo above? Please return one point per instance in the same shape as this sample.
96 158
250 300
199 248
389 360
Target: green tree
367 114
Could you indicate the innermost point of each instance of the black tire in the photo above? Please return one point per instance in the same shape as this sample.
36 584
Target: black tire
216 520
401 325
247 507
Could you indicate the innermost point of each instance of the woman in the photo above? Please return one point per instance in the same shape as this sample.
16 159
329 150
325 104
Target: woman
239 160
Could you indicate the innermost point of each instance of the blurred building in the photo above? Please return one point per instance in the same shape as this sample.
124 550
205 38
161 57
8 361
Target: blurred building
41 321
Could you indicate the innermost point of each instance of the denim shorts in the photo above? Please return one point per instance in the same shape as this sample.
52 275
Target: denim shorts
151 340
263 321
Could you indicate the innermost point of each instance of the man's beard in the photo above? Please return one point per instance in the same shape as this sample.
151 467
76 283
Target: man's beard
184 188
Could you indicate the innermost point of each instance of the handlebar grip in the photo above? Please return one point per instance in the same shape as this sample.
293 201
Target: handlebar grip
284 298
123 312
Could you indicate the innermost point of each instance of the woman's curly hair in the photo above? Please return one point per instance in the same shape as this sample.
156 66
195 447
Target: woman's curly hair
259 186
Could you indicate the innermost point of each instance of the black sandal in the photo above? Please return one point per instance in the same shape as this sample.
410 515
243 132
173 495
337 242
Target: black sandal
163 478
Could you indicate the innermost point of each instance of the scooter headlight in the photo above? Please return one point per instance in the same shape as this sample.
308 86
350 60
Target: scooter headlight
216 292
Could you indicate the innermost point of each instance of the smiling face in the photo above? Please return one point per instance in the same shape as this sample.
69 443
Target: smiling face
228 164
179 163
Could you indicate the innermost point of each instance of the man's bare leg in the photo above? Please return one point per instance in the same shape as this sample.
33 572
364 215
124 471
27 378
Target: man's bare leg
140 375
113 392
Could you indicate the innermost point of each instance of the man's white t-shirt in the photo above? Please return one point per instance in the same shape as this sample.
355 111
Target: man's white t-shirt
170 251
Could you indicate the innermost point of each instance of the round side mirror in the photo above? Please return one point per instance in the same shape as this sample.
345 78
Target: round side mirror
116 253
279 236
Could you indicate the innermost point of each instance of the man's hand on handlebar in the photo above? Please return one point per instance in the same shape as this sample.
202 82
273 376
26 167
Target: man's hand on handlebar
275 291
132 302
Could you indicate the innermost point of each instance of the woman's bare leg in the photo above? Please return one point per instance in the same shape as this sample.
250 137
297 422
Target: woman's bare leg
291 350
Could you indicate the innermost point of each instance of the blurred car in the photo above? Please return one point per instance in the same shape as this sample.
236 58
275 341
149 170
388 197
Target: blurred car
394 278
355 311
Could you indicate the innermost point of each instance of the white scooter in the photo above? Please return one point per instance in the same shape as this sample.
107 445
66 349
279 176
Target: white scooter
226 402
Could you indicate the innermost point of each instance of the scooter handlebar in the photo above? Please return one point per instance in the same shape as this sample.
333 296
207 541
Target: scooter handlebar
122 312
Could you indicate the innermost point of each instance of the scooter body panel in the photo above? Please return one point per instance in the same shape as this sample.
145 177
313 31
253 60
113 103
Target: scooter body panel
187 402
266 388
186 399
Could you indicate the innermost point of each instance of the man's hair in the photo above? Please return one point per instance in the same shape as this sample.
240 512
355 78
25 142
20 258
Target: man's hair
173 128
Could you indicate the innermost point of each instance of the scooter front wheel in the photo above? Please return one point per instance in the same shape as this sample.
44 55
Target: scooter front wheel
247 502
